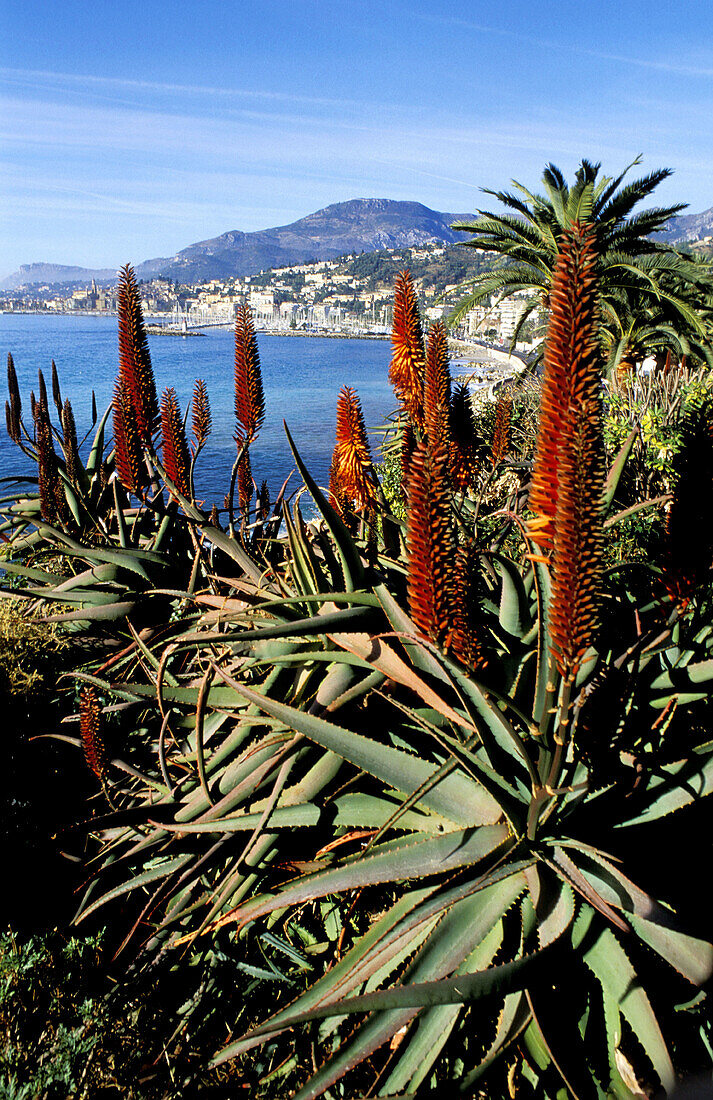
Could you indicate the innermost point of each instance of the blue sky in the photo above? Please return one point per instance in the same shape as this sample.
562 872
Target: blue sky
131 130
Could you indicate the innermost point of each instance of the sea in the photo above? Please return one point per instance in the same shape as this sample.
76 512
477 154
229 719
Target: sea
302 377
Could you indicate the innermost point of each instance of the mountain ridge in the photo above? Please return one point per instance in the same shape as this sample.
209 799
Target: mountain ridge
352 226
355 225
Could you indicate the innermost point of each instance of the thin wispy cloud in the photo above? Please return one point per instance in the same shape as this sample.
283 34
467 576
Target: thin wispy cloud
117 145
657 64
37 78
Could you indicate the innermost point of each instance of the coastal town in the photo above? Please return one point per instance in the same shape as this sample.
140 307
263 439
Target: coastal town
349 296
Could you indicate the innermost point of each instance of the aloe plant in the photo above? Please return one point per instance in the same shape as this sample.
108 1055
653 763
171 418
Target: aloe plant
438 762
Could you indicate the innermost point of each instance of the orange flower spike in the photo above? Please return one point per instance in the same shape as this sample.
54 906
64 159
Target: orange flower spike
431 544
69 438
553 401
437 386
568 480
245 483
47 475
128 456
201 418
353 468
135 370
503 428
15 405
408 361
249 396
465 642
90 730
176 461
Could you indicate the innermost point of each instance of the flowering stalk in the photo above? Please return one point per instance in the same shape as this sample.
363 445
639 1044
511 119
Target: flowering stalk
14 407
503 427
56 392
90 730
176 461
52 499
135 370
352 476
128 454
201 419
431 544
408 362
69 434
249 396
42 390
249 407
568 476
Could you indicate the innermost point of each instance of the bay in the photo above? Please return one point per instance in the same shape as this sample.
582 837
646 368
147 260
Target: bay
302 377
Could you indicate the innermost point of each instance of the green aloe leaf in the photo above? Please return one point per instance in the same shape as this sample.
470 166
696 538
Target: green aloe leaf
96 453
417 856
163 870
452 939
609 963
514 614
435 1025
563 1041
456 797
351 562
676 786
656 925
463 989
617 468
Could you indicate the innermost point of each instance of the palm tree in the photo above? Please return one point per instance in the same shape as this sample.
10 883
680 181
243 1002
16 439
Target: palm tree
634 269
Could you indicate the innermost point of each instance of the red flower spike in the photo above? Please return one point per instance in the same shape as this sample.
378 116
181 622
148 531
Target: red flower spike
128 454
42 390
353 467
90 721
69 433
503 427
465 641
201 419
249 396
263 502
47 474
408 362
568 476
14 391
176 461
245 483
431 544
135 370
408 446
13 428
56 392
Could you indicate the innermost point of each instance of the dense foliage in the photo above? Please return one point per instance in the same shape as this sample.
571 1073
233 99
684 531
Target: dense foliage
403 770
652 298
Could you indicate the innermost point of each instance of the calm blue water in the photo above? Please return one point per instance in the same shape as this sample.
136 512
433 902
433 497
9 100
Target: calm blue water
301 376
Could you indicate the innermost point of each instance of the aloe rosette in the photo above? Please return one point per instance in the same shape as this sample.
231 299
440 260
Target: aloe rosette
421 775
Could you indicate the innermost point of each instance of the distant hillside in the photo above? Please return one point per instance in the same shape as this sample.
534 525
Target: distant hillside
360 225
38 274
688 227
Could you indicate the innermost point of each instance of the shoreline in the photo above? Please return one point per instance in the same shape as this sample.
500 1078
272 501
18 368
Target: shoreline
494 357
